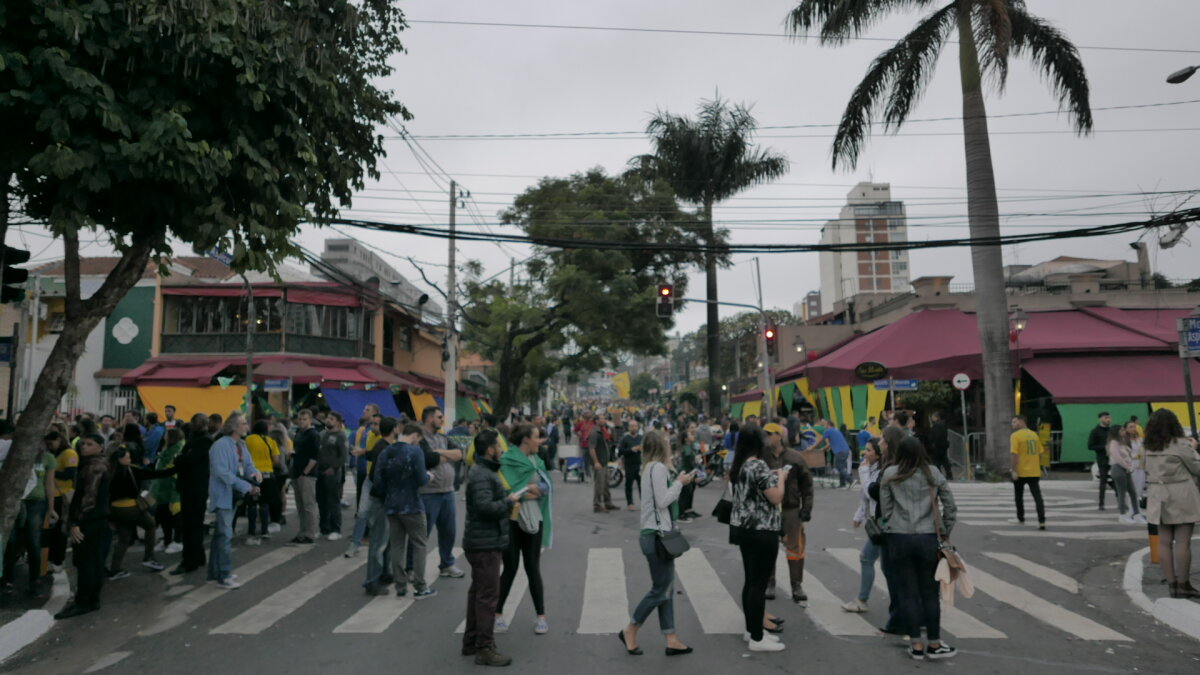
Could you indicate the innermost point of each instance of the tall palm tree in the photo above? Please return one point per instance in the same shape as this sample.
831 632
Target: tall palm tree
708 160
988 31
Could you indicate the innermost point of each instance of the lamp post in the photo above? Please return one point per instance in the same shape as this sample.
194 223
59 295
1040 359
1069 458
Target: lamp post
1018 321
798 343
1182 74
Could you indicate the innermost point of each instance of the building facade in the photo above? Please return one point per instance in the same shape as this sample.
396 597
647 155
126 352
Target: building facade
869 216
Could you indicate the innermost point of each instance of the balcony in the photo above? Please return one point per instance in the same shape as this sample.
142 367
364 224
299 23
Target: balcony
263 343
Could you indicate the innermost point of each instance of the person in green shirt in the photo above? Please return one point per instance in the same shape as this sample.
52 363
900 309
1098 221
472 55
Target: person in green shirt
34 516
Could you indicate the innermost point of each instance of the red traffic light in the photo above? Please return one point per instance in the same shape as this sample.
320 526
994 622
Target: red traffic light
666 290
770 333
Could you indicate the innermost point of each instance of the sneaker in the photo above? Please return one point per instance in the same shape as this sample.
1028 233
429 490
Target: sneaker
541 627
159 547
857 606
1125 520
684 519
424 593
401 591
1042 527
173 548
153 565
1139 518
942 651
488 656
1016 521
303 540
766 636
765 645
253 541
228 583
351 552
345 504
118 575
334 536
916 654
452 572
501 625
273 528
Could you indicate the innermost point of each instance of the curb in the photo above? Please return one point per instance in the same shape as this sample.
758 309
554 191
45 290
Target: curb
1182 615
33 624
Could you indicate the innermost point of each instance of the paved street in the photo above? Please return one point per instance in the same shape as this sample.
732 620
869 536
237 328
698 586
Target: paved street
301 609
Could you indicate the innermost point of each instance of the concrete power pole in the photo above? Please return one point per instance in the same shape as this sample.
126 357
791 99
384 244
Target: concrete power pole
450 399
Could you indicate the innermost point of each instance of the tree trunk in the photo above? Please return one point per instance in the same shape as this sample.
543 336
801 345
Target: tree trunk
713 335
987 262
56 376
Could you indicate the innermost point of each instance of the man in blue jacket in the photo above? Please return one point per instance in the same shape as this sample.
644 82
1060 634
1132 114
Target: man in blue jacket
229 465
400 471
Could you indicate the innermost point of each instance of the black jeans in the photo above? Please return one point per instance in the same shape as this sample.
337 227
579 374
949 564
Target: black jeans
759 548
191 529
686 497
914 562
1103 465
88 556
1035 489
893 624
521 544
56 536
633 474
329 502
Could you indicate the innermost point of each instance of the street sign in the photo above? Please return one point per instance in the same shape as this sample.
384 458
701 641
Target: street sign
1189 336
870 371
221 256
961 381
897 385
280 384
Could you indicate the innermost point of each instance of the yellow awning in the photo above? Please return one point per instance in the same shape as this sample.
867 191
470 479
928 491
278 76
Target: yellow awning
191 400
751 408
1180 410
420 402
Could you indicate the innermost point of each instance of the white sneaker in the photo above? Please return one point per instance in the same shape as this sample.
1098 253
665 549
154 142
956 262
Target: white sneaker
334 536
768 637
228 583
253 541
351 552
345 504
857 606
173 548
766 645
1125 520
273 528
501 625
1139 518
158 547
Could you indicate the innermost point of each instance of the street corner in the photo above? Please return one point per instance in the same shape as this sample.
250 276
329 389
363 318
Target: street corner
1146 587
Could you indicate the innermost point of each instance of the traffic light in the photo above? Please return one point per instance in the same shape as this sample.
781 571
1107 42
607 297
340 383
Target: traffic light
770 334
665 301
12 278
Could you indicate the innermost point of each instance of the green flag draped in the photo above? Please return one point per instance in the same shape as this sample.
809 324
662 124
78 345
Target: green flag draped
517 470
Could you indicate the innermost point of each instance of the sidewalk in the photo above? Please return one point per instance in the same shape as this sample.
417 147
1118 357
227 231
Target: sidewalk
1145 586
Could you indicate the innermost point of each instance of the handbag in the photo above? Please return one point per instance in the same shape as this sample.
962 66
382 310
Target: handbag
946 550
529 516
723 511
669 545
874 530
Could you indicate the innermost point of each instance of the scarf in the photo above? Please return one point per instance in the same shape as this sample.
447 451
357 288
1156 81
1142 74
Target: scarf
518 470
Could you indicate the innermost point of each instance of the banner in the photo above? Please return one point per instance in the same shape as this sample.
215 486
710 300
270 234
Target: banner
622 383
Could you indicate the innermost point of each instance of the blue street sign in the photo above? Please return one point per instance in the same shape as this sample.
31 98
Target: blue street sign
1189 336
897 385
221 256
281 384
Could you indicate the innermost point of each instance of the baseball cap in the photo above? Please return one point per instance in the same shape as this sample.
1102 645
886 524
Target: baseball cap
773 428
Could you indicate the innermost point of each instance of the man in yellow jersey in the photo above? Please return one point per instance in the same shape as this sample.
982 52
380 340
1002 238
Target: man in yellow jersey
1027 451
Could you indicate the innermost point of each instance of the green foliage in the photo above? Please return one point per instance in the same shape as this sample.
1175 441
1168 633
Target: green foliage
573 309
929 397
640 386
742 329
219 122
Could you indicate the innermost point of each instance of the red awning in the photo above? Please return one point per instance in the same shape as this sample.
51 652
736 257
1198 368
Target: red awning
222 291
177 372
1112 378
299 371
388 376
307 296
752 395
343 374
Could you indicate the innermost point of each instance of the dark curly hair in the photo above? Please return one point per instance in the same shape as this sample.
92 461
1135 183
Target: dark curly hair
1162 428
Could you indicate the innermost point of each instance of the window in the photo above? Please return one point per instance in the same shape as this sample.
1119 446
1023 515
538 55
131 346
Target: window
895 224
900 267
897 255
404 338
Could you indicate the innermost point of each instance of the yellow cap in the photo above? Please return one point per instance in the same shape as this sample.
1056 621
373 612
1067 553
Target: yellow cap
773 428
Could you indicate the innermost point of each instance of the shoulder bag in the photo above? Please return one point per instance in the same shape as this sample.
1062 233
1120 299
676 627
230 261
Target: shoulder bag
723 511
874 530
946 550
668 545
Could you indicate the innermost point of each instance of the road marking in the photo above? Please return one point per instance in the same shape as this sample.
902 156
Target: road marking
1032 522
287 600
714 606
382 611
954 620
515 596
177 612
1050 576
1043 610
824 608
108 660
605 600
1107 536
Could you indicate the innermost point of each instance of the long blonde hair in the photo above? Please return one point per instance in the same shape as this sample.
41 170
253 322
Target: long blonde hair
655 448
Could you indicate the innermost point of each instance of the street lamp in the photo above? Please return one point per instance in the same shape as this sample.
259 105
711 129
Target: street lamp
1182 75
1018 321
798 343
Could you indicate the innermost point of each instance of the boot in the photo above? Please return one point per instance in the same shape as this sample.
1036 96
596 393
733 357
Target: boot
1186 590
796 572
488 656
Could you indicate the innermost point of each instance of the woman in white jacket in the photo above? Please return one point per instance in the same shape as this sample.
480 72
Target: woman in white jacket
868 473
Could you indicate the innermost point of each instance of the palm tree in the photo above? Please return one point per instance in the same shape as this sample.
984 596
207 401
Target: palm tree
987 31
708 160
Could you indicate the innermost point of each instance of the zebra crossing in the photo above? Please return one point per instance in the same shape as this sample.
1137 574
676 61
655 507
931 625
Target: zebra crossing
612 582
1070 512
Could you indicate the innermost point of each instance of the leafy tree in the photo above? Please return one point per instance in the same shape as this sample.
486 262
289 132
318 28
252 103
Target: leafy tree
577 309
640 386
707 160
219 123
739 339
988 31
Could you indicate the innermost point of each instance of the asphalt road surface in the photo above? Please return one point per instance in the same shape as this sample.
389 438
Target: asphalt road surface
1046 602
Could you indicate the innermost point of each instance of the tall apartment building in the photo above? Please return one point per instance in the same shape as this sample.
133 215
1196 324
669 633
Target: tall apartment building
870 215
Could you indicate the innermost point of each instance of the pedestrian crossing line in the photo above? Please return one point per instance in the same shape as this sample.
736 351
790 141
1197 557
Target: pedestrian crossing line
954 620
1011 507
382 611
1055 521
824 608
515 596
1056 534
714 606
287 600
605 600
1047 574
177 612
1043 610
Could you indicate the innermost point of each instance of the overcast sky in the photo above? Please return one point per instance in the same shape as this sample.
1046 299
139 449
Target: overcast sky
459 79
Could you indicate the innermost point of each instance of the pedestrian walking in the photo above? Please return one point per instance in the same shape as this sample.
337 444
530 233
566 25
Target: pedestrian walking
660 510
66 467
229 462
833 441
909 495
400 472
192 483
364 456
1098 443
869 471
1136 452
485 538
87 526
1027 451
755 525
599 442
34 516
531 528
630 451
1172 471
939 444
1120 459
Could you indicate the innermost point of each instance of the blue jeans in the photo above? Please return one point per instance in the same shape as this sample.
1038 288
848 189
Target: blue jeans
439 512
866 558
360 513
27 530
662 584
379 550
914 562
220 558
841 462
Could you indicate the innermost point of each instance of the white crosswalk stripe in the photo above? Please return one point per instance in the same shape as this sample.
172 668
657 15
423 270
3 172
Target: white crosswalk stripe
287 600
1043 610
824 608
714 605
382 611
605 600
1050 576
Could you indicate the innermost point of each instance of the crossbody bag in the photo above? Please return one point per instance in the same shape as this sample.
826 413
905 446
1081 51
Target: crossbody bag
669 545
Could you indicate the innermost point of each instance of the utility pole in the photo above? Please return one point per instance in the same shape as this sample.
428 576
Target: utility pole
450 398
250 325
765 376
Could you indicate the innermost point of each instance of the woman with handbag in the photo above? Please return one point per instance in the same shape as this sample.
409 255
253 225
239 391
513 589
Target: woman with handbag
522 468
755 525
659 512
1173 499
867 514
916 528
130 509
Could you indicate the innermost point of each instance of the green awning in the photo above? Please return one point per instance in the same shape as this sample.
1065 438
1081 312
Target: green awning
465 409
735 411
